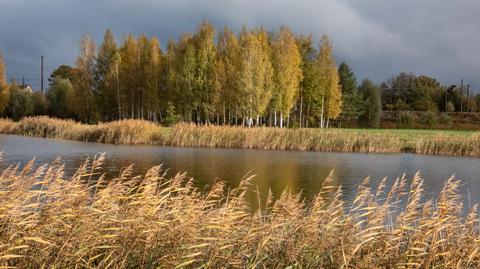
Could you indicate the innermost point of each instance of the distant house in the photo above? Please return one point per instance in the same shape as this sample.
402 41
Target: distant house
26 87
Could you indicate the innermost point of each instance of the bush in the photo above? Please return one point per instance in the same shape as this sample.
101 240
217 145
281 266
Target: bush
405 119
445 119
429 119
171 115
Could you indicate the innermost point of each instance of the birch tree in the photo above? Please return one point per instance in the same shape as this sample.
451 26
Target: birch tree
227 75
329 88
105 81
255 74
205 54
309 85
286 60
85 81
4 96
128 75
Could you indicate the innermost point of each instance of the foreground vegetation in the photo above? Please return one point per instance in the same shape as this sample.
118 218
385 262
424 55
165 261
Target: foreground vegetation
87 220
457 143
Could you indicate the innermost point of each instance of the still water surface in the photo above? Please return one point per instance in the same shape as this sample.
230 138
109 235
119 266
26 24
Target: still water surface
275 170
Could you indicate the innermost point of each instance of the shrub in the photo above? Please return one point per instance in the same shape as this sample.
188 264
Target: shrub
429 118
171 115
444 118
405 119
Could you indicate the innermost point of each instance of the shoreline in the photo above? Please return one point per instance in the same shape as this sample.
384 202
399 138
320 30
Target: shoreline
139 132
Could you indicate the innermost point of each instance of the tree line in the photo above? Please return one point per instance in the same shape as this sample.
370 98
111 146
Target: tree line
254 77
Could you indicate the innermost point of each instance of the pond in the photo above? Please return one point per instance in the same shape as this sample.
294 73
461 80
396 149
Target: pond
275 170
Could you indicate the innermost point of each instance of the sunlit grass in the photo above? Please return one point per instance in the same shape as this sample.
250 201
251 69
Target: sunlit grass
461 143
90 221
438 142
116 132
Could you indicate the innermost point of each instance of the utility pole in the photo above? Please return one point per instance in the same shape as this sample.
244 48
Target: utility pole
468 98
461 95
41 79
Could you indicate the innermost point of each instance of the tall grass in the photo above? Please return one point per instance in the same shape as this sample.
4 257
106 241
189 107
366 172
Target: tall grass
149 221
6 126
450 145
117 132
337 140
191 135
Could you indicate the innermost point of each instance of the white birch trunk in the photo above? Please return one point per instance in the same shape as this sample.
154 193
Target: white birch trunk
281 119
321 115
275 118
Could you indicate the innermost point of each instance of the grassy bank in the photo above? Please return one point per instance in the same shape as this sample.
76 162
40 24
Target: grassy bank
89 221
117 132
457 143
445 142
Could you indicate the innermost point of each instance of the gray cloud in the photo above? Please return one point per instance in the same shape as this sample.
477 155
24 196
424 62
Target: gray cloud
377 38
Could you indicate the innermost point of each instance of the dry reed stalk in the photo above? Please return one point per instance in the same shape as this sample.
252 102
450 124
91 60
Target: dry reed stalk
87 220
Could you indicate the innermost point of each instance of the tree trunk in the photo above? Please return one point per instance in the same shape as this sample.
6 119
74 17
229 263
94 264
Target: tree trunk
133 115
118 96
224 114
301 111
275 118
308 115
281 119
321 115
229 116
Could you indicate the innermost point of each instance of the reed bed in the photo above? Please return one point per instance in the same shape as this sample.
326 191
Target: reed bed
150 221
6 126
191 135
330 140
450 145
116 132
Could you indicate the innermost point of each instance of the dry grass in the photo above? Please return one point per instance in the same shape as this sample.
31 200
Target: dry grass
330 140
89 221
6 126
450 145
117 132
191 135
336 140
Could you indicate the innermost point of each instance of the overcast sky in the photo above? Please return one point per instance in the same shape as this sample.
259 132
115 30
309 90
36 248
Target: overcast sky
377 38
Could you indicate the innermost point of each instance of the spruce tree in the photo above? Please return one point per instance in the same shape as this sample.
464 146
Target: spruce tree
352 101
373 104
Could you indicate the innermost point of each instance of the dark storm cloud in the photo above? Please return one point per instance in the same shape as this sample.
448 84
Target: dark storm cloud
377 38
